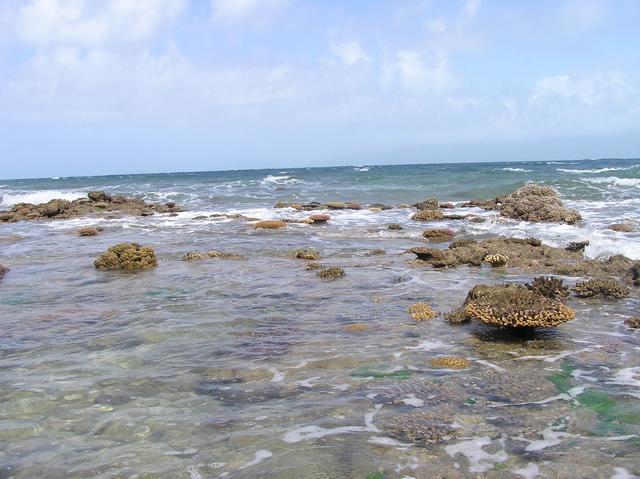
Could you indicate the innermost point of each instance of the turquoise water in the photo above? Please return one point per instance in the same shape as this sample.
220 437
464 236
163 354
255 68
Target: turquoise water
248 368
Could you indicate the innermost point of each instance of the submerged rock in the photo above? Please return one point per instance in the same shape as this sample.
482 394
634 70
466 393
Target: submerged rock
537 203
633 323
548 286
577 246
319 219
331 273
421 312
3 271
428 215
632 276
515 306
127 256
607 288
438 235
420 428
305 253
394 226
270 224
428 204
450 362
623 227
90 230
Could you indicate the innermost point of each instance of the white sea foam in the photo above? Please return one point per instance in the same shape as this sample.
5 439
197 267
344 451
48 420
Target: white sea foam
259 456
530 471
596 170
551 436
479 459
614 180
517 170
279 180
36 197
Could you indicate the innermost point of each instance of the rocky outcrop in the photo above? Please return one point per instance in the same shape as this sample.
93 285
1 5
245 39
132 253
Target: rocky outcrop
127 256
627 227
394 226
98 203
496 260
577 246
438 235
537 203
421 312
305 253
428 204
435 256
428 215
633 323
331 273
270 224
319 219
632 276
90 230
607 288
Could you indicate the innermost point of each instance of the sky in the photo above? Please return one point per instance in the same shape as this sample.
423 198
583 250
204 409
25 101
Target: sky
130 86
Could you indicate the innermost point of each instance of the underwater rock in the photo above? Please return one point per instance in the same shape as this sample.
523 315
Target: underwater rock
270 224
616 265
515 306
484 204
607 288
428 215
623 227
550 287
356 328
633 323
375 252
428 204
496 260
632 276
435 256
127 256
305 253
537 203
577 246
438 235
3 271
339 205
319 219
394 226
196 256
312 265
331 273
450 362
420 428
447 206
90 230
421 312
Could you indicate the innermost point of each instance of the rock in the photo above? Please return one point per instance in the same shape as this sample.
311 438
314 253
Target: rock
515 306
447 206
421 312
356 328
270 224
3 271
394 226
380 206
632 276
577 246
375 252
537 203
127 256
428 215
623 227
305 253
438 235
462 243
420 428
434 255
331 273
428 204
484 204
90 230
477 219
99 196
54 208
496 260
633 323
450 362
170 204
455 217
607 288
196 256
312 265
550 287
338 205
319 218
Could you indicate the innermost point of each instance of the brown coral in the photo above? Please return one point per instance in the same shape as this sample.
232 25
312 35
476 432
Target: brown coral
517 307
548 286
633 323
420 428
319 219
428 215
270 224
305 253
438 235
312 265
331 273
537 203
90 230
127 256
421 312
607 288
496 260
450 362
428 204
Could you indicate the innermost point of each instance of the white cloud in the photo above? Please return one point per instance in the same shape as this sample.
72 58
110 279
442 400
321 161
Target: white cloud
91 23
584 13
349 53
232 12
436 24
419 73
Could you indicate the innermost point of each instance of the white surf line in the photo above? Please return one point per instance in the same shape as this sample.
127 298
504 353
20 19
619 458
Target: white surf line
479 459
428 345
316 432
550 358
259 456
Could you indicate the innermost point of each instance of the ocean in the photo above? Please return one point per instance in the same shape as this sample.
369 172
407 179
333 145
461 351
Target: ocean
252 368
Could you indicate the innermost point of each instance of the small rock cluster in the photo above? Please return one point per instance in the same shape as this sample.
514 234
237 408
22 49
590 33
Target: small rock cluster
127 256
607 288
537 203
421 312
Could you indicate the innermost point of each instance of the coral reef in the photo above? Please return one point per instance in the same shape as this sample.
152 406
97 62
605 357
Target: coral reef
428 215
127 256
305 253
331 273
550 287
496 260
421 312
438 235
270 224
607 288
90 230
515 306
312 265
450 362
535 202
428 204
420 428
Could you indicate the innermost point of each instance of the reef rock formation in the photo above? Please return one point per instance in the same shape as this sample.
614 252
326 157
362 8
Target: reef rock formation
421 312
420 428
550 287
450 362
270 224
331 273
438 235
98 202
496 260
196 256
627 227
607 288
632 276
428 204
394 226
312 266
537 203
577 246
633 323
305 253
90 230
435 256
428 215
319 219
127 256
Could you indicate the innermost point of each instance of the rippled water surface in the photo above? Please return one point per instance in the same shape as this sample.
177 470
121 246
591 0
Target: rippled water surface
253 368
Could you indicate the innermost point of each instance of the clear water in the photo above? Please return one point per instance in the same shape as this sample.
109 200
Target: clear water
245 369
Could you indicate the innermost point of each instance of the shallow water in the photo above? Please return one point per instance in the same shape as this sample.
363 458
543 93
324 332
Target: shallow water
246 369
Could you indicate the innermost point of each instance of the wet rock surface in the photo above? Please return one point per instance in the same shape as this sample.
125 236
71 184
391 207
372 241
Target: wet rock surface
537 203
127 256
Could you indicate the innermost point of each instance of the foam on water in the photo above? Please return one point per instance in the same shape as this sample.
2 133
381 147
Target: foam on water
517 170
11 198
595 170
615 181
479 459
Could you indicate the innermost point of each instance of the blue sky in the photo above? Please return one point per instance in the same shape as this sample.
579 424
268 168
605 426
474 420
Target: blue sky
115 86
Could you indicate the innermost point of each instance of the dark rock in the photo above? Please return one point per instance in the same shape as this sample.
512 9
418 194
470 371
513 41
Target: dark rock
577 246
99 196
